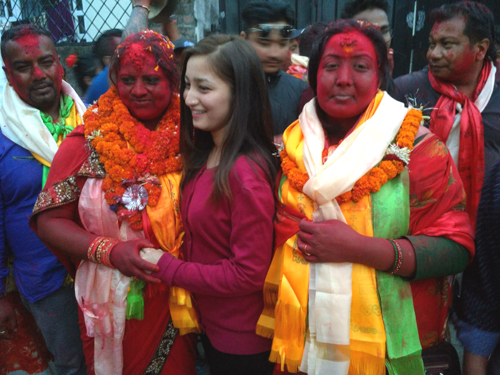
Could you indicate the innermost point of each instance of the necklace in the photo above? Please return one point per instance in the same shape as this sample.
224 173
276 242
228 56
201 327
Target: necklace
133 156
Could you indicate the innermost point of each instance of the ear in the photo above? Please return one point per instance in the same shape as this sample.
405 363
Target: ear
6 71
482 46
244 35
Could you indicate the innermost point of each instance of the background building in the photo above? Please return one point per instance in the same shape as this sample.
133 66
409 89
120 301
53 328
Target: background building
75 24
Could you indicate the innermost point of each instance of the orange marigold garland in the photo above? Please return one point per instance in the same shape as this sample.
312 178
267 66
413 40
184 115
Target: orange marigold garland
133 156
393 164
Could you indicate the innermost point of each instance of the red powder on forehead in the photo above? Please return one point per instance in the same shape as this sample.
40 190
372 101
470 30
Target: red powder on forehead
136 54
29 42
348 41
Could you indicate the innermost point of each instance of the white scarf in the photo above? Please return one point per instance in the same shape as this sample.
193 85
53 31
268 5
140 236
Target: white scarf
23 125
330 284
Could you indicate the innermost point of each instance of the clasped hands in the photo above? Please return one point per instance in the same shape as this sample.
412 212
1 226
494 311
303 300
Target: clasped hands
137 258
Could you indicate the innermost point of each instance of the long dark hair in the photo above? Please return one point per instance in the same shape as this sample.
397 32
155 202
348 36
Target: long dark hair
249 130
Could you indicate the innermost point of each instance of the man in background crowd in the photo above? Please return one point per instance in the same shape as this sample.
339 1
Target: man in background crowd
462 88
375 12
268 28
103 49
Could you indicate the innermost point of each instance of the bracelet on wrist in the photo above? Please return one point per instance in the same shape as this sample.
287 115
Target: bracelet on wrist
398 262
99 250
141 6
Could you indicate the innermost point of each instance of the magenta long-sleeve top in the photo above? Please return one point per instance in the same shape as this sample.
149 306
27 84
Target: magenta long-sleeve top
227 253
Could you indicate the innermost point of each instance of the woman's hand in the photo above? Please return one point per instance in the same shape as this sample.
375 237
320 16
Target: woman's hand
125 257
151 255
334 241
328 241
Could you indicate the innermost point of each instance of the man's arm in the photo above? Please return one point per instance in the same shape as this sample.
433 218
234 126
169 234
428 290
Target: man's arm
138 19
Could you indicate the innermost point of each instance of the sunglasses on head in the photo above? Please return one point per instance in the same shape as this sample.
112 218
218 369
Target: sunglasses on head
266 29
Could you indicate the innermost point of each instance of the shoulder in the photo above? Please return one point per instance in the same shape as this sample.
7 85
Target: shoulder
294 81
429 149
411 84
72 153
412 78
6 146
249 171
76 137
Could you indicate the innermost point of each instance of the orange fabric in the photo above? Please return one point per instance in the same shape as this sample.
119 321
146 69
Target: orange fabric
166 224
287 282
141 337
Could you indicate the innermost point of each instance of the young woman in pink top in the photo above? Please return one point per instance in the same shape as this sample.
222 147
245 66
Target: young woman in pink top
227 201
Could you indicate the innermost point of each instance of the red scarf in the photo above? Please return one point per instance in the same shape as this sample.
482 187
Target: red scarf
471 153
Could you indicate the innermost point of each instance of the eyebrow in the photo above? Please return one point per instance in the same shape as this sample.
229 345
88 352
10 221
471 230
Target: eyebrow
20 61
444 37
197 79
357 55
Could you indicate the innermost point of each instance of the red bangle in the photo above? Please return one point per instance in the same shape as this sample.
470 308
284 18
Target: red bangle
100 250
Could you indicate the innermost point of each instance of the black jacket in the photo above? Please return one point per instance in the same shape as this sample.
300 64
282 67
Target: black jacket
285 91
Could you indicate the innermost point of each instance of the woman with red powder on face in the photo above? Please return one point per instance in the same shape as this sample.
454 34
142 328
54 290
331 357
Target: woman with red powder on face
368 232
113 189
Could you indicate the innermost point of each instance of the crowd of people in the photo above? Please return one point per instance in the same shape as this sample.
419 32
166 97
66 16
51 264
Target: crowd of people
275 197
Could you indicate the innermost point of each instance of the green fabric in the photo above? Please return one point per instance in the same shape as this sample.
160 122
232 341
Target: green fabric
282 181
135 300
58 128
45 175
391 219
437 257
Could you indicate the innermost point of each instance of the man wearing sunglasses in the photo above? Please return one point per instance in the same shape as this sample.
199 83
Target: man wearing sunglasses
267 27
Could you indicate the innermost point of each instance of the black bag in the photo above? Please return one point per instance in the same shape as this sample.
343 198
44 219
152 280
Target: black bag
441 359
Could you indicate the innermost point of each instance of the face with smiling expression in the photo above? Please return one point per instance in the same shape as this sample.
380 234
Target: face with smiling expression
34 70
347 78
451 55
143 87
208 97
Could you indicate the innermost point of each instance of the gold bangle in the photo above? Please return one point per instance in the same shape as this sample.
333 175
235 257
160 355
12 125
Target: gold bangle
141 6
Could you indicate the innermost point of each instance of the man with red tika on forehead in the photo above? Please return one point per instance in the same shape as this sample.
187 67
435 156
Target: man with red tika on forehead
38 110
365 228
461 87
